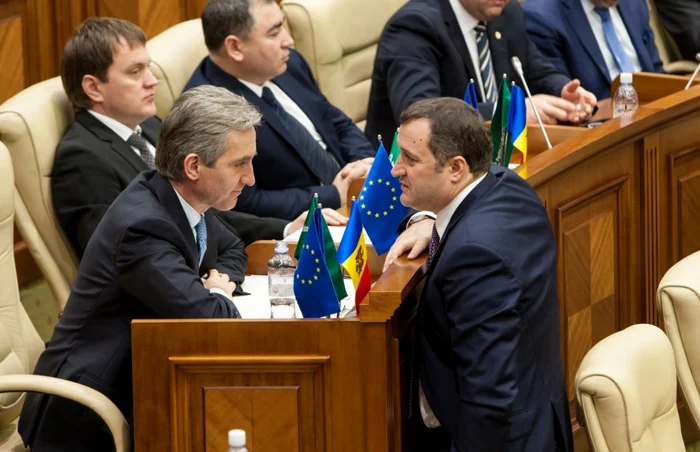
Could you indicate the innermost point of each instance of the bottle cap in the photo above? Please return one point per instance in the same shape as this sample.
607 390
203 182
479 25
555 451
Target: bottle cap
626 77
281 247
236 438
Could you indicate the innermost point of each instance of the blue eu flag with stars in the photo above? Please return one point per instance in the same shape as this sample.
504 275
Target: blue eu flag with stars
313 287
382 212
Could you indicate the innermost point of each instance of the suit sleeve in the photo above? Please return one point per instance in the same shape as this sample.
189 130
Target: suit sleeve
251 227
410 60
353 143
286 203
481 295
153 270
544 36
82 187
232 258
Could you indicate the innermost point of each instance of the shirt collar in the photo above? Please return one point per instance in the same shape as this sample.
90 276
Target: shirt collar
124 132
445 215
466 21
192 215
587 5
257 89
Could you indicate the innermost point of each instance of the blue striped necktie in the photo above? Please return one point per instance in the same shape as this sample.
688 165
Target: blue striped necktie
321 162
201 230
485 65
618 52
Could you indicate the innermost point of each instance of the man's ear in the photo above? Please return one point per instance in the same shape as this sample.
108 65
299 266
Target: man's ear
458 167
192 166
92 87
233 47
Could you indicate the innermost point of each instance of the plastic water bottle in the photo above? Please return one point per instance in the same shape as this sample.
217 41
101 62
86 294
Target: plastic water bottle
280 279
236 441
625 101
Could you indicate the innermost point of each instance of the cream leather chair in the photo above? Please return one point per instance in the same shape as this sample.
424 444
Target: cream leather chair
668 50
678 299
626 386
31 125
20 344
339 40
175 53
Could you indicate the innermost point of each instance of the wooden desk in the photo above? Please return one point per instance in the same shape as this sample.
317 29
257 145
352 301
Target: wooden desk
624 202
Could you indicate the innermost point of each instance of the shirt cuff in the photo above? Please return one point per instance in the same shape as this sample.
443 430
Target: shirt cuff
418 216
218 291
285 231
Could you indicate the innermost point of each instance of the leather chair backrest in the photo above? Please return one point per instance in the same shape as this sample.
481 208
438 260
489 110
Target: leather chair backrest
668 50
678 299
20 344
175 53
31 125
626 386
339 40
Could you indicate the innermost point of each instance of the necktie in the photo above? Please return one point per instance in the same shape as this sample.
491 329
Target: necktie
321 162
433 245
201 230
485 67
137 141
621 58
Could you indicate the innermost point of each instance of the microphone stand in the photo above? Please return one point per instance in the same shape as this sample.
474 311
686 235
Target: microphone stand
519 69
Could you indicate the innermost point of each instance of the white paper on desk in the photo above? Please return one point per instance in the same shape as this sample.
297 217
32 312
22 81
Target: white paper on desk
336 232
257 304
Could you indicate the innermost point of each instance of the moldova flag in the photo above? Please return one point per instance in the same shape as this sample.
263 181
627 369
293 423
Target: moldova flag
517 123
352 255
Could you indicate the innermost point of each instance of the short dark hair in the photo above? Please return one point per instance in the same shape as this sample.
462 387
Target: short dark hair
222 18
90 51
456 129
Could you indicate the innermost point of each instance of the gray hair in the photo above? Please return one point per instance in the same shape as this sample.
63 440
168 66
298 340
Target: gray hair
200 123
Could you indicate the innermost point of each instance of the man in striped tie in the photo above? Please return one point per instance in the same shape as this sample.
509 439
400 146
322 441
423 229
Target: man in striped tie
433 48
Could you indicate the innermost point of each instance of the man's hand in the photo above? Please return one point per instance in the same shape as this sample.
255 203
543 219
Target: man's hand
219 281
552 109
416 239
351 172
582 99
332 217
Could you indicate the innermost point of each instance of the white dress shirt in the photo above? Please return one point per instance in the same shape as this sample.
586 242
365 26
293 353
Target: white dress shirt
122 131
443 219
467 22
620 30
193 217
289 106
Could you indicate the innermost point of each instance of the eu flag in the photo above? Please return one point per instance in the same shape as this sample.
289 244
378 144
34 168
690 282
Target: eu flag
470 95
313 287
382 212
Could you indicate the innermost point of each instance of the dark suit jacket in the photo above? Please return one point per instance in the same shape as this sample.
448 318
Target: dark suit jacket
141 263
681 19
422 54
489 324
93 165
284 184
561 31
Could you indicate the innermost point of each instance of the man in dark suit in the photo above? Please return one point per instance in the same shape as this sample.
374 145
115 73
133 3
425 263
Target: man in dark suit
681 19
106 77
491 376
305 144
432 48
594 40
159 252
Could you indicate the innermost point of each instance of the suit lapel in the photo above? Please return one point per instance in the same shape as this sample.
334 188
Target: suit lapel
170 202
457 39
106 134
634 32
573 10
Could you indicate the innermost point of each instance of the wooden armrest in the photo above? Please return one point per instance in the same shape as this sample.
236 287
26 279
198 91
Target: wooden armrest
82 394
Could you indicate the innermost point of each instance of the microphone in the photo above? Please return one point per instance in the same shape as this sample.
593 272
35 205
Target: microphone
695 74
517 65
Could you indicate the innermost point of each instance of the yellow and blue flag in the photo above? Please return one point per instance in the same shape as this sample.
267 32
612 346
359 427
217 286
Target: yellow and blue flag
382 212
313 287
517 123
352 255
470 95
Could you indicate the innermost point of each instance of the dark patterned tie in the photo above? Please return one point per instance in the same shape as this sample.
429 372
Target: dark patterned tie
201 230
433 245
321 162
138 142
485 67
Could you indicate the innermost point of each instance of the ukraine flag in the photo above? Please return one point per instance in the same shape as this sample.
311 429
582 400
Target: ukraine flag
517 122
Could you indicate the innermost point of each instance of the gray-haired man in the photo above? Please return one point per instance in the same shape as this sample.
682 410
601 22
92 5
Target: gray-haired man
157 253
